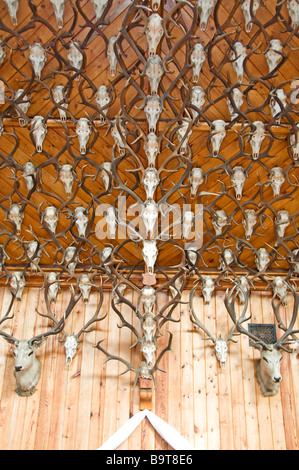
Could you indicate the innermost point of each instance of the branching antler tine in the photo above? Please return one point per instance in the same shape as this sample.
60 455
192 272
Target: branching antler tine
9 338
195 319
87 328
240 320
288 331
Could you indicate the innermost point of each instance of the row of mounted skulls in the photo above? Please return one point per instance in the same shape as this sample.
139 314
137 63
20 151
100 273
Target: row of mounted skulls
205 7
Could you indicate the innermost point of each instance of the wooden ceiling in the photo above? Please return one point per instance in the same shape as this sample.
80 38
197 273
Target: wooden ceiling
37 23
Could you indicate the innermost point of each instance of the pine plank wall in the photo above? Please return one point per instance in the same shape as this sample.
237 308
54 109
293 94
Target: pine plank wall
81 406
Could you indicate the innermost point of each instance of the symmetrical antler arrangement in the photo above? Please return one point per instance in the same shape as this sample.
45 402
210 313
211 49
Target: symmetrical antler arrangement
161 202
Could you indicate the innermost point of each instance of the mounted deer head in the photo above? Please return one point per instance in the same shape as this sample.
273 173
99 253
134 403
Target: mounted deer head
151 148
246 6
238 55
154 71
22 106
150 253
218 133
83 131
50 217
59 97
99 7
195 179
17 284
249 221
150 214
277 178
268 369
207 288
197 99
106 174
38 58
112 58
281 222
280 290
39 132
103 99
154 32
238 178
275 106
257 138
34 253
66 175
81 220
197 59
59 7
220 220
273 54
234 102
29 175
293 10
150 180
16 216
206 8
13 7
53 286
75 56
111 219
153 109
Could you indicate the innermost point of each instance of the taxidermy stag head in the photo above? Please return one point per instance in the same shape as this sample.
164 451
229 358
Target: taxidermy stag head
39 132
218 133
38 58
13 7
22 106
150 180
273 54
238 178
277 178
83 131
195 179
238 55
154 32
154 71
206 8
246 8
2 52
153 109
16 215
50 217
99 7
293 9
59 7
17 284
60 98
257 138
197 59
103 98
29 175
67 177
249 221
151 148
150 253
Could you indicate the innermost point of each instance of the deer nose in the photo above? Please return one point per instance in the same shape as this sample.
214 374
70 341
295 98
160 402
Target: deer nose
18 368
277 379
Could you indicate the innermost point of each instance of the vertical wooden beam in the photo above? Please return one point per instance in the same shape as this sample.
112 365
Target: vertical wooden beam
146 394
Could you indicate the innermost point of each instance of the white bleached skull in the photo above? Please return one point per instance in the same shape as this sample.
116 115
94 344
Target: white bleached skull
38 58
282 221
221 350
151 148
207 288
218 134
238 178
29 175
148 349
262 259
106 174
294 142
112 58
34 253
148 298
278 98
81 220
71 258
236 101
195 179
277 179
83 131
50 217
75 56
206 8
119 133
67 177
59 7
257 138
248 6
99 7
103 99
184 133
220 220
177 287
85 286
153 110
71 345
150 253
293 9
17 283
59 97
150 214
197 58
243 289
274 54
16 216
197 99
111 219
187 223
280 290
52 279
148 328
150 180
249 221
39 132
238 55
226 259
295 261
154 32
154 71
13 7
